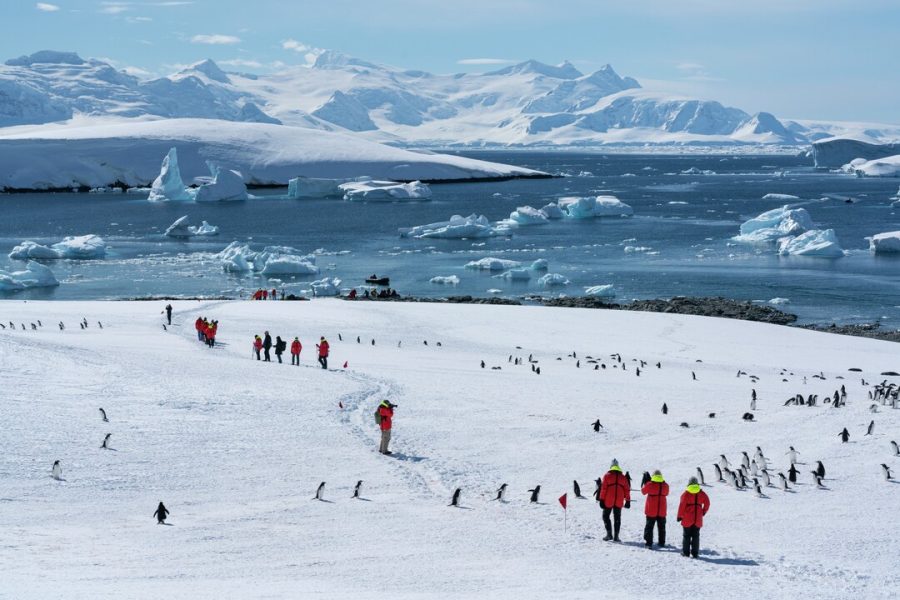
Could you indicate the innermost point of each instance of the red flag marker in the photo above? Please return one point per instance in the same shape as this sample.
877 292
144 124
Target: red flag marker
562 500
345 364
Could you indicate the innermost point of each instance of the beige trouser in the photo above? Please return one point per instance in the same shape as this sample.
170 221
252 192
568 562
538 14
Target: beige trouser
385 440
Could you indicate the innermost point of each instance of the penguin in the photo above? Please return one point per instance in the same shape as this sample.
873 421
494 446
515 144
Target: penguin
340 338
793 472
712 415
784 481
844 435
454 500
732 478
56 471
645 478
40 324
103 415
753 404
753 394
760 458
754 468
887 472
530 358
665 409
895 448
637 372
700 477
532 368
871 428
501 493
694 376
535 493
597 426
765 477
820 469
577 364
745 460
482 364
757 488
106 441
538 371
743 479
577 489
320 491
723 462
718 471
817 480
792 455
373 341
161 513
598 488
357 489
659 365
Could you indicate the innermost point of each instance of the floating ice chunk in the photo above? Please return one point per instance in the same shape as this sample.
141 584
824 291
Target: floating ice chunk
237 258
887 243
881 167
553 280
816 242
168 185
182 228
776 223
610 206
600 291
540 264
82 247
493 264
448 280
590 207
494 291
696 171
527 215
389 191
553 211
515 275
780 197
288 264
326 287
34 275
28 250
226 186
311 187
204 229
458 227
779 301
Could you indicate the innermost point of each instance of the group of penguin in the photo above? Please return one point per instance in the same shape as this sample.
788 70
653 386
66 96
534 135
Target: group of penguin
757 468
83 324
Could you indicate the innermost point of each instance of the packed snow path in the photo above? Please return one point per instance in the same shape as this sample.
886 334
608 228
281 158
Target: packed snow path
236 448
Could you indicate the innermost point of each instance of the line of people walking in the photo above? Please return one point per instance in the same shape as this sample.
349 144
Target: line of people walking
263 345
206 330
614 494
262 294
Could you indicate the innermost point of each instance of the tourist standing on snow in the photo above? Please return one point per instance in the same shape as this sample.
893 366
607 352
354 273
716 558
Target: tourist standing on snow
267 345
211 333
198 325
615 494
280 346
257 345
694 505
655 507
384 417
169 313
161 513
296 347
323 352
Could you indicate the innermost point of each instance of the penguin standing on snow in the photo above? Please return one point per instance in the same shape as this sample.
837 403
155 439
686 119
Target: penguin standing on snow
784 481
103 416
665 409
757 487
535 493
792 455
765 477
844 435
105 444
357 489
700 477
887 472
792 473
817 480
871 428
718 470
723 462
745 460
454 500
320 492
597 426
895 448
501 493
820 469
56 471
577 489
161 513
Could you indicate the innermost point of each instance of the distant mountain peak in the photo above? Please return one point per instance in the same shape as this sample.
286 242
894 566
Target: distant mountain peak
332 59
47 57
564 70
209 68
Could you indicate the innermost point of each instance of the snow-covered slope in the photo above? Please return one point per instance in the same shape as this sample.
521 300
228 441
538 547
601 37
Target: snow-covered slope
235 448
836 152
523 104
99 154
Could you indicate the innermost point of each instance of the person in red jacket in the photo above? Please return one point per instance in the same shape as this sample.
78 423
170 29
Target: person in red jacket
694 505
296 347
257 346
615 492
211 333
385 421
323 352
198 325
655 507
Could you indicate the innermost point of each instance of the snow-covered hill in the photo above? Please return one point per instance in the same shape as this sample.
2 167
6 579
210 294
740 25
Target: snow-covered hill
235 448
530 103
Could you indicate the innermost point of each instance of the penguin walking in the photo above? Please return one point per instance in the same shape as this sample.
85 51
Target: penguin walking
894 448
56 471
723 462
103 415
454 500
161 513
597 426
718 470
482 364
817 479
357 489
577 489
693 376
665 409
844 435
871 428
754 468
535 494
320 492
105 444
792 473
745 460
820 469
767 481
792 455
784 482
700 477
887 472
501 493
757 488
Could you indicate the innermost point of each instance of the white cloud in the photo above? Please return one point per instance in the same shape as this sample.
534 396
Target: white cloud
485 61
215 39
115 8
43 6
295 46
240 62
138 72
694 71
138 19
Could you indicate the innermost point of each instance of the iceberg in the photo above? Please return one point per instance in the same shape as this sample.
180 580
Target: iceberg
34 275
82 247
237 258
288 264
696 171
816 242
458 227
515 275
389 191
600 291
540 264
885 243
28 250
527 215
780 197
448 280
182 228
774 224
168 185
590 207
553 211
610 206
326 287
271 261
226 186
553 280
881 167
312 187
493 264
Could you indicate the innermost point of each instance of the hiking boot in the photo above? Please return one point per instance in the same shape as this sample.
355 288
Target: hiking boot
607 537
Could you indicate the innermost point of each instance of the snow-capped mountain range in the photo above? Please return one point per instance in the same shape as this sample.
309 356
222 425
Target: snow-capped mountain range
530 103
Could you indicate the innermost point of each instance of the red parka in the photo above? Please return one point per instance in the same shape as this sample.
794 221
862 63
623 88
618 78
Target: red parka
386 413
257 343
615 489
296 347
323 348
694 505
656 492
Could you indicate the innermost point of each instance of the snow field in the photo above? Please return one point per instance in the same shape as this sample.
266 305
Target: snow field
236 448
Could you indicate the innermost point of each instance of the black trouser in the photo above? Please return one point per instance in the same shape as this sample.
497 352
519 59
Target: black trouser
323 360
278 356
617 517
211 342
660 523
169 317
268 358
257 354
691 542
295 359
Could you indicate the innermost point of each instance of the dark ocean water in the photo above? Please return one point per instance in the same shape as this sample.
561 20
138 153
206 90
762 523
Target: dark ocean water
682 228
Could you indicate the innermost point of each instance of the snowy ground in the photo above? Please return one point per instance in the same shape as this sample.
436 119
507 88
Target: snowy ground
236 448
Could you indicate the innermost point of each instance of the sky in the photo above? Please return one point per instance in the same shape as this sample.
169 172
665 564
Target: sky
804 59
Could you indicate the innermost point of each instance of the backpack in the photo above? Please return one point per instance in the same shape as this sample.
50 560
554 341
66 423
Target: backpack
378 415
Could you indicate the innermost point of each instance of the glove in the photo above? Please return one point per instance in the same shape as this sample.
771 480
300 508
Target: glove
678 519
603 506
628 504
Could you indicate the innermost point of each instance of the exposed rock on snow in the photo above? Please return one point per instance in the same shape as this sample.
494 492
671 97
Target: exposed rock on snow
600 291
493 264
458 227
34 275
226 186
816 242
168 185
553 280
886 243
313 187
442 280
182 228
390 191
774 224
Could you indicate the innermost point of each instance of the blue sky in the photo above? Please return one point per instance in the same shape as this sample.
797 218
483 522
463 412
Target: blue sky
817 59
